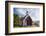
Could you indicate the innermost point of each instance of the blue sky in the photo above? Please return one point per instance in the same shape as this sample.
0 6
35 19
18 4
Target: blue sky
33 12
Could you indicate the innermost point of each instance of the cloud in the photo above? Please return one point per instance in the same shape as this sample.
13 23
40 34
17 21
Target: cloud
33 12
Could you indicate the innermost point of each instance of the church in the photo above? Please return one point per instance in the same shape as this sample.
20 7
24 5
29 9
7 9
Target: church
26 20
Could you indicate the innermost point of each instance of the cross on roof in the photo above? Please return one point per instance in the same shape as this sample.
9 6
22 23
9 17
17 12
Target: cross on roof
28 11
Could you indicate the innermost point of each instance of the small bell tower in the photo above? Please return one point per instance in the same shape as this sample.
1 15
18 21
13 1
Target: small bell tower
26 12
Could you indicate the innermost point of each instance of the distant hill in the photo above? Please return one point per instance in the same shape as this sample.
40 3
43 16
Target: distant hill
36 23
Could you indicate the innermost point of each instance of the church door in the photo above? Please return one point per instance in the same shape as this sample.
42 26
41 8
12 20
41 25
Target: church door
29 21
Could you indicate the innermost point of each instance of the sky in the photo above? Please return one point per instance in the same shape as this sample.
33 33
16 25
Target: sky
34 13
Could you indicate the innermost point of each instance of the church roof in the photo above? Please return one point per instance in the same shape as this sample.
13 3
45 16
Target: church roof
26 16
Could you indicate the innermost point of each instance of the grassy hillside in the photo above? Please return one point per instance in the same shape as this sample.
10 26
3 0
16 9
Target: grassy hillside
17 22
